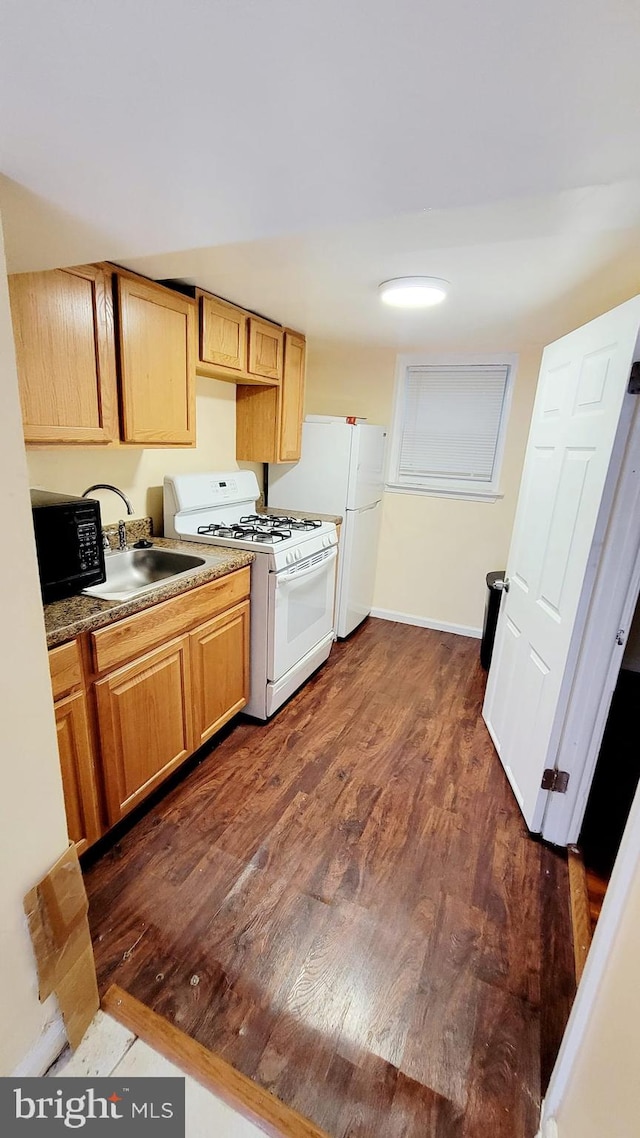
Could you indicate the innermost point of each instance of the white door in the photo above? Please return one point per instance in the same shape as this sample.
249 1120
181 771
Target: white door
359 545
570 471
300 610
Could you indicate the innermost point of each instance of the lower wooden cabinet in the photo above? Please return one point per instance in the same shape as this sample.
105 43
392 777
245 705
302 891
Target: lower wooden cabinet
131 706
78 773
145 724
220 671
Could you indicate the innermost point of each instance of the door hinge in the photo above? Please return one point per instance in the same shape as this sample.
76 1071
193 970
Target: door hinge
634 380
555 780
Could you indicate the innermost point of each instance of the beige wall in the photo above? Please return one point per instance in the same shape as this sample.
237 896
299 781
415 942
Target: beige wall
602 1096
32 822
434 552
140 472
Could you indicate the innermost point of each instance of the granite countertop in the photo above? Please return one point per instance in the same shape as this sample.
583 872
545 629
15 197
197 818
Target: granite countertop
335 518
66 619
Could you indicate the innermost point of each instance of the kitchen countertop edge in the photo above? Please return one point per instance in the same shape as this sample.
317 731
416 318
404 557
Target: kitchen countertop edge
70 617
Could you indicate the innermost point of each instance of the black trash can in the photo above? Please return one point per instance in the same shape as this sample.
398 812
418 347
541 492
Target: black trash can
495 583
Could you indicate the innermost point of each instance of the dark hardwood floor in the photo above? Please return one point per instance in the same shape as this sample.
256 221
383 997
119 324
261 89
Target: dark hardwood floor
346 905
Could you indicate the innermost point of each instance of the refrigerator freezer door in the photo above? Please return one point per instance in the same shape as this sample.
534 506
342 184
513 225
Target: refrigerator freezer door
319 481
359 542
366 467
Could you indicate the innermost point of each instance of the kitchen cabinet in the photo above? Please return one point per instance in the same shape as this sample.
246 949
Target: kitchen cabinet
175 673
220 670
269 419
157 331
223 335
75 746
94 373
234 344
65 355
145 725
78 776
265 349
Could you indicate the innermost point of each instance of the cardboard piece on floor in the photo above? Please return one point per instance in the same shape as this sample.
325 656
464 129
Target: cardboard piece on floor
57 909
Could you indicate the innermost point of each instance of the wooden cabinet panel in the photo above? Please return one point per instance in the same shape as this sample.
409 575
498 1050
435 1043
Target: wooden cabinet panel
265 348
219 670
65 669
291 403
157 342
145 723
223 334
65 355
128 638
78 774
269 419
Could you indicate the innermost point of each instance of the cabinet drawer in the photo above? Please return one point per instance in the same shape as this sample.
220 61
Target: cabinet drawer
65 668
129 638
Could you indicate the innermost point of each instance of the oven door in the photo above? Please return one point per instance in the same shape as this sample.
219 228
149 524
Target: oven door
301 610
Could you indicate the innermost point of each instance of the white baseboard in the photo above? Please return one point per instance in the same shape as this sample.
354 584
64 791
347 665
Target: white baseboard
46 1049
422 622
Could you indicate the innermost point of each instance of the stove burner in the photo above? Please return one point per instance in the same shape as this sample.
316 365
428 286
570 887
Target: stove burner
279 521
246 531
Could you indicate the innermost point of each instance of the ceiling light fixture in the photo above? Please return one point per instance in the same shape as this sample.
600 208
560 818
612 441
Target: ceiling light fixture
413 292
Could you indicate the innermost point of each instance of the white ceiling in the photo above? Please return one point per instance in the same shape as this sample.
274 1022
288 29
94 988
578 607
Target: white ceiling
129 130
519 271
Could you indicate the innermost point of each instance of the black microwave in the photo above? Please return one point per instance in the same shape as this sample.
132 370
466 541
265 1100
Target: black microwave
68 543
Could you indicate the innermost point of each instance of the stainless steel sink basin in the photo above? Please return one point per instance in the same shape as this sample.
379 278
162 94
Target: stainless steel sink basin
135 571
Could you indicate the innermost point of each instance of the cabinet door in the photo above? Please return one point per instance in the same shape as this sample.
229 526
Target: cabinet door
65 355
269 419
145 723
223 334
265 348
157 340
78 774
220 670
291 401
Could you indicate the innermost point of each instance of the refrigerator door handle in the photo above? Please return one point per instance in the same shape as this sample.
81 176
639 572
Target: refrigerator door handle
363 509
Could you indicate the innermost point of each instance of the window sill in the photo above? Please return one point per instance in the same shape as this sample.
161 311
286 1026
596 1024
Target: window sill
433 492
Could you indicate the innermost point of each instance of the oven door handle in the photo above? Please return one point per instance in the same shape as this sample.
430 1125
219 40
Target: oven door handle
291 575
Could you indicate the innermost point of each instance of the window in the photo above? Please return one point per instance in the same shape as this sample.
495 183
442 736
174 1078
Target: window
449 425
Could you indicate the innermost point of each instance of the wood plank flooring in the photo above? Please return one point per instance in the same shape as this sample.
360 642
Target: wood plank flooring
345 903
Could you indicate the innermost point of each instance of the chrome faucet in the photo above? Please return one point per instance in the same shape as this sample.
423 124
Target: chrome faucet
122 531
107 486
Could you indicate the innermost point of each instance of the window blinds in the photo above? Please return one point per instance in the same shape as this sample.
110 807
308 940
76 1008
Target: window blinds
451 421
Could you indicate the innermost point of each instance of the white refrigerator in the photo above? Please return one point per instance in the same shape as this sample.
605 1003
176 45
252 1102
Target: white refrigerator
341 471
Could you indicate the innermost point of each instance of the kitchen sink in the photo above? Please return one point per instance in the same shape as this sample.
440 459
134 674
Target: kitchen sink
134 571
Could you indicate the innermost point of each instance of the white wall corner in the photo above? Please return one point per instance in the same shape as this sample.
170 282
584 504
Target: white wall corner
548 1126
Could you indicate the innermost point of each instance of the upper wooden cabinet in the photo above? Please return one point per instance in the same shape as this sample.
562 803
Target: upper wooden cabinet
291 406
269 419
65 355
157 339
234 344
223 334
265 349
71 368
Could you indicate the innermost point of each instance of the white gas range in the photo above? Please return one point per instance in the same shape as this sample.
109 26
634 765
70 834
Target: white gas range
292 577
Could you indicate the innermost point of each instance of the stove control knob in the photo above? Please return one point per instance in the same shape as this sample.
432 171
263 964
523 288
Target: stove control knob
298 554
289 557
